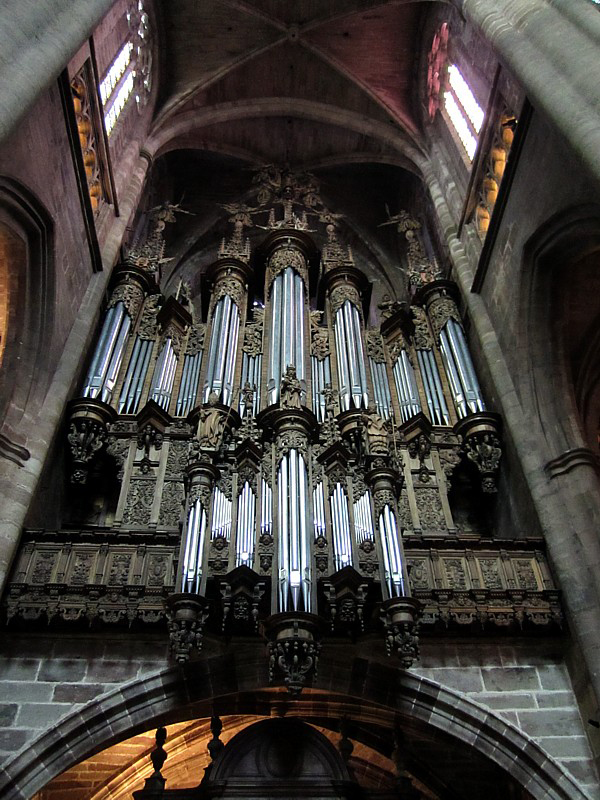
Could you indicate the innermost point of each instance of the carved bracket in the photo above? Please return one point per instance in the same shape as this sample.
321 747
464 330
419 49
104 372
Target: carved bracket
400 617
187 614
294 648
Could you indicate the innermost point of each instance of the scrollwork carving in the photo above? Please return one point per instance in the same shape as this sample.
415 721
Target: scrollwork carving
375 349
148 323
131 295
253 334
196 339
286 257
340 294
440 311
422 335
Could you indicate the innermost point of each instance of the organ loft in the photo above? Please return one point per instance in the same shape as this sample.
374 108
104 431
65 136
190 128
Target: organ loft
299 400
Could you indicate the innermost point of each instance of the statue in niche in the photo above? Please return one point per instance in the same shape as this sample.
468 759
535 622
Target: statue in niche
291 389
377 432
210 424
329 397
247 398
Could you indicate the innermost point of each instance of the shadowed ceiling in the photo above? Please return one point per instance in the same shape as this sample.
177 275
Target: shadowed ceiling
326 86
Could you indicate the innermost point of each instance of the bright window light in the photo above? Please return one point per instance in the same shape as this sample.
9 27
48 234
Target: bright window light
460 124
117 68
112 115
466 98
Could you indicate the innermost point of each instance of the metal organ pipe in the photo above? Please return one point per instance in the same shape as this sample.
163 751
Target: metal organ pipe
103 371
319 510
195 535
340 519
381 388
406 386
363 519
321 376
287 329
460 370
294 548
135 376
438 410
351 359
244 546
164 374
392 553
189 384
222 350
251 373
221 516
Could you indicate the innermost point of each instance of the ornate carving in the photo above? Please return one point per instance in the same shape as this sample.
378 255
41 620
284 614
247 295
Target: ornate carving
119 450
340 294
397 346
187 615
375 349
456 577
382 498
291 440
171 504
418 573
173 333
440 311
525 574
422 335
335 254
237 246
195 341
177 458
490 570
148 323
377 432
483 450
157 570
139 502
44 564
119 569
429 506
285 257
211 423
388 307
227 286
82 566
130 294
149 255
291 389
319 344
294 648
449 458
253 334
86 436
400 617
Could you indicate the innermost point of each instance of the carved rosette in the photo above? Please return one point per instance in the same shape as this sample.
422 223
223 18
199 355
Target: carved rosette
481 444
88 431
400 617
186 614
294 647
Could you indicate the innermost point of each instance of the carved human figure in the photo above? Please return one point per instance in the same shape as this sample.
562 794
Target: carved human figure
329 397
377 433
247 398
291 389
210 424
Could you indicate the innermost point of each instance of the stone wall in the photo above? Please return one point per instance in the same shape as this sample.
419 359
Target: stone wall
526 683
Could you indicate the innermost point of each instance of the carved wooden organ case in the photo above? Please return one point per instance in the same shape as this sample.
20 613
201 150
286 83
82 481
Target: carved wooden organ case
282 458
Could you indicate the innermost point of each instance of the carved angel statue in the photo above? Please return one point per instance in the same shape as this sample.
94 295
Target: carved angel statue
291 389
210 423
329 397
247 397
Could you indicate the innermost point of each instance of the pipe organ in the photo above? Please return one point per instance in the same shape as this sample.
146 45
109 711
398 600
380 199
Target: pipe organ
291 452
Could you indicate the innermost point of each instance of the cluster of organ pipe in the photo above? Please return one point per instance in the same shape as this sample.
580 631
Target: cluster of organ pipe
304 509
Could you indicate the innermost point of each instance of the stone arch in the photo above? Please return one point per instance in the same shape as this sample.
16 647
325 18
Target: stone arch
561 309
235 684
29 285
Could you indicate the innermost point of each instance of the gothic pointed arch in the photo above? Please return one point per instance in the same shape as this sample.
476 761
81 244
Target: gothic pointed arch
27 300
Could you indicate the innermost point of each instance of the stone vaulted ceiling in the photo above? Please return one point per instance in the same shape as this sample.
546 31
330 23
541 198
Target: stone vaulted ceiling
312 81
328 86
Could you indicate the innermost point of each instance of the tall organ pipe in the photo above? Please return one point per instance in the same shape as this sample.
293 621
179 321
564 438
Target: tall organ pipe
321 376
287 329
135 376
392 552
189 384
352 372
164 375
436 403
222 350
294 548
246 525
406 387
103 371
459 368
381 388
342 542
195 535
